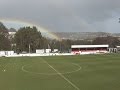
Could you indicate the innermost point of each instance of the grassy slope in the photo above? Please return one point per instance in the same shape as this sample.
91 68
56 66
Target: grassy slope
99 72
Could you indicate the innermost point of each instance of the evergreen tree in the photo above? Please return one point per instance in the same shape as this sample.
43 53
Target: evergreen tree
4 41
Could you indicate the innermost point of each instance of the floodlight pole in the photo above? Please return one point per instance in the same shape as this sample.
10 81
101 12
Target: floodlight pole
60 46
29 48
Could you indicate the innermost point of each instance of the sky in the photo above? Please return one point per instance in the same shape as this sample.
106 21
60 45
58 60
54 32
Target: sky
65 15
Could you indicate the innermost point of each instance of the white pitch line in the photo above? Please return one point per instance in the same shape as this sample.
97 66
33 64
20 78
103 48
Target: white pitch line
24 70
62 75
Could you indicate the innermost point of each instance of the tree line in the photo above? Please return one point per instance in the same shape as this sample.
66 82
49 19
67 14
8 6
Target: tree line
29 39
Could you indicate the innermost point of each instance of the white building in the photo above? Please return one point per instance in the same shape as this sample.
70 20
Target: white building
6 53
118 48
12 33
40 51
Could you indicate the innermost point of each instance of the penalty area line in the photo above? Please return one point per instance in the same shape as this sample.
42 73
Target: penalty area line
61 75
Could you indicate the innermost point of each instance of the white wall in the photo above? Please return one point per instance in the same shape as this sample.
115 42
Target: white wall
90 52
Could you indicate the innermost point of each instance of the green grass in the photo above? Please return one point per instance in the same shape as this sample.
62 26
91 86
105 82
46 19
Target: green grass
86 72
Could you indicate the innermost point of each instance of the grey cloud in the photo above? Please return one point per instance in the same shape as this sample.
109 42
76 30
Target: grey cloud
63 15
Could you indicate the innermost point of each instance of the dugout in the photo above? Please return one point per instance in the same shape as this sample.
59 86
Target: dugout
89 49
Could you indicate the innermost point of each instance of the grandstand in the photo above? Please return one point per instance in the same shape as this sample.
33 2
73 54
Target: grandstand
89 49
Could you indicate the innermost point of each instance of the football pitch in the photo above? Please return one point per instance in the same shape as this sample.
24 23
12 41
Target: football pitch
84 72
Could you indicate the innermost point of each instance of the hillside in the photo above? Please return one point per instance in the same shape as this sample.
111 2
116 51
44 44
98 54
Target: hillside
84 35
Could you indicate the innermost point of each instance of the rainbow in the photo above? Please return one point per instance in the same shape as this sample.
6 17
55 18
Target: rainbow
44 31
